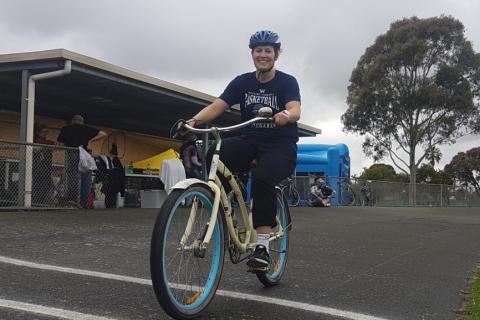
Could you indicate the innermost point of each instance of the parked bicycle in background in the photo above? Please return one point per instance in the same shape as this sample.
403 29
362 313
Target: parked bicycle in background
360 193
290 191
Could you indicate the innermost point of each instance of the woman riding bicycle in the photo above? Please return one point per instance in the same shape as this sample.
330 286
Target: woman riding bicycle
272 145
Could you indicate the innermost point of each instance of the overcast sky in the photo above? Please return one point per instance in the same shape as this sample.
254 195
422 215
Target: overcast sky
204 44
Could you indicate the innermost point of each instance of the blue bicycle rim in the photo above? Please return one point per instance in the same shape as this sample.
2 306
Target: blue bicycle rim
216 255
283 241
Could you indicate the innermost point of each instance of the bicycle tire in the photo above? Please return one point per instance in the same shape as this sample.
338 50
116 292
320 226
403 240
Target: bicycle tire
185 291
278 248
295 198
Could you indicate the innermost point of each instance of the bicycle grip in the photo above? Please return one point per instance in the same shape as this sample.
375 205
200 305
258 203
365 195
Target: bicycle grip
180 130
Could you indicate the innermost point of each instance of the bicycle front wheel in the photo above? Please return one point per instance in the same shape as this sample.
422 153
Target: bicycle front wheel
278 246
185 276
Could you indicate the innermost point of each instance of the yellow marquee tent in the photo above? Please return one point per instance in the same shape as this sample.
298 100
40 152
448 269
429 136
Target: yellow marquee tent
155 163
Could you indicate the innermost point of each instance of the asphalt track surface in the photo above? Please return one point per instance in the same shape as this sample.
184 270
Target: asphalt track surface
345 263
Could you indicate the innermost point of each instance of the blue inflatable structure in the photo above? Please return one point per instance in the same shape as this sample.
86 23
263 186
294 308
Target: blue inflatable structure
330 161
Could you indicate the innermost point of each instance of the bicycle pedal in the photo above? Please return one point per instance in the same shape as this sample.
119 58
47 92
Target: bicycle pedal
258 269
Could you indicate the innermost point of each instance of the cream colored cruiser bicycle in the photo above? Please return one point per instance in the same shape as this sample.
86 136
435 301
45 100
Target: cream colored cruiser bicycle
195 224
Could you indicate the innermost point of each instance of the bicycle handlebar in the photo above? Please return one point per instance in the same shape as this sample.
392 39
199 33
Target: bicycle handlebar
230 128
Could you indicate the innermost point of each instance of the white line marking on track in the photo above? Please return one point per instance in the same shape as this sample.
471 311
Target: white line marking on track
237 295
82 272
299 305
55 312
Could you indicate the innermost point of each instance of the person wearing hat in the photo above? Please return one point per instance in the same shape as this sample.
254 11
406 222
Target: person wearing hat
77 134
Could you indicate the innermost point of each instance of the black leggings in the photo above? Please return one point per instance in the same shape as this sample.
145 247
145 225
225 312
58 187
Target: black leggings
274 162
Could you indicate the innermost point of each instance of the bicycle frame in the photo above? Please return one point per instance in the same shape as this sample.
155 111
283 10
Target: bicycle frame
246 216
220 196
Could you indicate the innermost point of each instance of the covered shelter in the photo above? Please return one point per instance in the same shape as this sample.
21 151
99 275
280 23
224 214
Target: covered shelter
112 96
60 83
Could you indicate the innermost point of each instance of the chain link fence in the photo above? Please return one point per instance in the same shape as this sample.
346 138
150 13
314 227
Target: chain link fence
359 192
46 176
38 176
303 183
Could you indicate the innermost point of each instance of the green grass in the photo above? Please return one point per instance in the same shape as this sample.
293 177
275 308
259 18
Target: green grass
473 305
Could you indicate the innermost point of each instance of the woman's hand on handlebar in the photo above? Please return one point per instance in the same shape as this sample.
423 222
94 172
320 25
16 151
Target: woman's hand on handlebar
192 122
181 130
181 124
281 118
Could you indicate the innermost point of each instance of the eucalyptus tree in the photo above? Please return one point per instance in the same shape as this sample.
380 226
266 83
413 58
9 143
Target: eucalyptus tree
414 89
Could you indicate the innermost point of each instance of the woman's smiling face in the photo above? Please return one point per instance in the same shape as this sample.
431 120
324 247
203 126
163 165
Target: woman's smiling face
264 58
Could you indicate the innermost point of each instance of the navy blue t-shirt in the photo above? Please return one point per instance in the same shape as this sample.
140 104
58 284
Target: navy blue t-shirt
252 95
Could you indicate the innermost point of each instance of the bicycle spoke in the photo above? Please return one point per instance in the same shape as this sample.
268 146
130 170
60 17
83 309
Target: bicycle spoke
189 270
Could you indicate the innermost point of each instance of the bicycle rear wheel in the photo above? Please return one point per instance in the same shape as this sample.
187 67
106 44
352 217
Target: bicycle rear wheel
278 247
185 277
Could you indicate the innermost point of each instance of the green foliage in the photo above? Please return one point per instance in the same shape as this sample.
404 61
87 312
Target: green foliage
378 171
465 166
385 172
433 155
473 305
415 88
427 174
401 177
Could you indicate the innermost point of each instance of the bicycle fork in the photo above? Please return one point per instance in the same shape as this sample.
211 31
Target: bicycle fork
197 246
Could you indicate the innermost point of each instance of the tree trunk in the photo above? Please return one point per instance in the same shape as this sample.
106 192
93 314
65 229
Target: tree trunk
413 178
413 186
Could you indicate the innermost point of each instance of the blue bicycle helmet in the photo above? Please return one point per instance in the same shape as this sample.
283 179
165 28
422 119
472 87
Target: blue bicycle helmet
264 38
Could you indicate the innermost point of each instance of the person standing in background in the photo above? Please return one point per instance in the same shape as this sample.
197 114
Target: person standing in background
75 135
40 133
114 181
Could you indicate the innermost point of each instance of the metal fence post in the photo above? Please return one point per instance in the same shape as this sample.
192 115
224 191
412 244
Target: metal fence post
441 195
23 138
